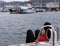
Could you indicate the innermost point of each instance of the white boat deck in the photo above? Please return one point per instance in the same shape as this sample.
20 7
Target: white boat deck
34 44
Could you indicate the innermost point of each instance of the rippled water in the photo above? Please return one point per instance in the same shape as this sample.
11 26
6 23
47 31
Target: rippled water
13 27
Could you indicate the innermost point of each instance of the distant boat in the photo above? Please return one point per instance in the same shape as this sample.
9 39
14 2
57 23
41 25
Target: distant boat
28 8
22 9
15 10
40 9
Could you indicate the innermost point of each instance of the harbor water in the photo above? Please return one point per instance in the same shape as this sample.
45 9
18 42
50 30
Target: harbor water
13 27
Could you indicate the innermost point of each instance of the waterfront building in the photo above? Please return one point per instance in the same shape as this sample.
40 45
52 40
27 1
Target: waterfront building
53 6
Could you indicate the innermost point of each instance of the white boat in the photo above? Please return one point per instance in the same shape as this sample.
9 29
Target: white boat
29 10
40 9
51 35
15 10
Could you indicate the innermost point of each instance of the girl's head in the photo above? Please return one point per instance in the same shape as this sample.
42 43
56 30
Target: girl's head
47 23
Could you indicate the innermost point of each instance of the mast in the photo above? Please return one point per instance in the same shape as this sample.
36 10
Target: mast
41 3
55 1
38 2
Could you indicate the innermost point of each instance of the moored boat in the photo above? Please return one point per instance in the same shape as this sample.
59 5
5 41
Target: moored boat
15 10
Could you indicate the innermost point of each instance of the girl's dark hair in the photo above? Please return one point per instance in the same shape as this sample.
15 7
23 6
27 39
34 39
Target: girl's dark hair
47 23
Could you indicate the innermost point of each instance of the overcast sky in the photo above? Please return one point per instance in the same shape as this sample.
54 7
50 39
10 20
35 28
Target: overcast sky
15 0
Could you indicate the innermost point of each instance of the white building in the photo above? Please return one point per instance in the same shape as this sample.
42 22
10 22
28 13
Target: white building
53 6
